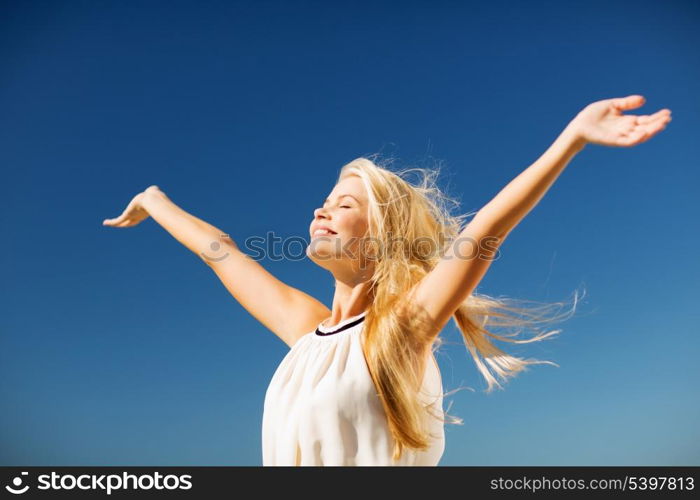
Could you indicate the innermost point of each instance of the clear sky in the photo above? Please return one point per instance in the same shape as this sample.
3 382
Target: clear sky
121 347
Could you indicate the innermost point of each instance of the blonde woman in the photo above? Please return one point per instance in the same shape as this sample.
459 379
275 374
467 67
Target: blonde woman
360 384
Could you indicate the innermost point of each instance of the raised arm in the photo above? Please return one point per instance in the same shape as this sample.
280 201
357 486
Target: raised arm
466 261
286 311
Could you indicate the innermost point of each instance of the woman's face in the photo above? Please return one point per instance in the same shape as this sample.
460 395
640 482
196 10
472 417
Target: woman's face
344 213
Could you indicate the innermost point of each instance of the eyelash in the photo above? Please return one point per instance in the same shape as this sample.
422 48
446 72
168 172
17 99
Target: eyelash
345 206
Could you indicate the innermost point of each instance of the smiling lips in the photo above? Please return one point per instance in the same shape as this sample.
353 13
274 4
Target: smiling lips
323 231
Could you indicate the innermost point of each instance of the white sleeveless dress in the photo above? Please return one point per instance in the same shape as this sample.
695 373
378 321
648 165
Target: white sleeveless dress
321 407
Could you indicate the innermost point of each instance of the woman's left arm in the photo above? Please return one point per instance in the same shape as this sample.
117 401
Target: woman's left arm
466 261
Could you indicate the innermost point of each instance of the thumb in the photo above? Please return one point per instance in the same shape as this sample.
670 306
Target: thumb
629 102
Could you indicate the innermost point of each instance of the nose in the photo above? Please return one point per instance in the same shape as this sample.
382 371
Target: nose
320 212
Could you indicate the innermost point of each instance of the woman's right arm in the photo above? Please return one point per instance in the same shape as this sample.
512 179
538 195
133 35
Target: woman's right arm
285 310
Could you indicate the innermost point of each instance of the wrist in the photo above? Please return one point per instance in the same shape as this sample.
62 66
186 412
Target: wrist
150 196
573 139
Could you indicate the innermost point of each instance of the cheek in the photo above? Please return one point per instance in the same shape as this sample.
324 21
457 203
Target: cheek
355 226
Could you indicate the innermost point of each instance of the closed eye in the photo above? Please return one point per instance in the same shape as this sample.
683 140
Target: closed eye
345 206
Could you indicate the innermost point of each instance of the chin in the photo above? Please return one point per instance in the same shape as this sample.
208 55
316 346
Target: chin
318 254
323 256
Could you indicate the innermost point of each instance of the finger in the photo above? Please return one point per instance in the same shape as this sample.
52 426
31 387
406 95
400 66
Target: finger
654 127
118 220
642 133
124 223
654 122
636 136
649 118
629 102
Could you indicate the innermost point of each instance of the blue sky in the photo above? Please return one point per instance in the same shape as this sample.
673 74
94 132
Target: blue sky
121 347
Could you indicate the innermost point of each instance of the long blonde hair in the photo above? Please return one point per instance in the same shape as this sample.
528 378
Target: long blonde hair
421 212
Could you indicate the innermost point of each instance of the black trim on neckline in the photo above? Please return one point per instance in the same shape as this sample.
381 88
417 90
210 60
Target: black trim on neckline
340 329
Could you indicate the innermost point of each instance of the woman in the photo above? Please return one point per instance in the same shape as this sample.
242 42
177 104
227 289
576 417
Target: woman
360 385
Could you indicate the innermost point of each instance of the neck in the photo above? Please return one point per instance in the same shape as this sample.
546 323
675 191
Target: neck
350 299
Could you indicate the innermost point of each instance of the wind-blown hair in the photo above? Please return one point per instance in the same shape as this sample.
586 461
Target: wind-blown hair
418 214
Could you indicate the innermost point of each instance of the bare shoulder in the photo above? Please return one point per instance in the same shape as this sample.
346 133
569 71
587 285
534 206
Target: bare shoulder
304 319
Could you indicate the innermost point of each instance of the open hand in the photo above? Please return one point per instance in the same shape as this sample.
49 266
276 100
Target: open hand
602 122
133 214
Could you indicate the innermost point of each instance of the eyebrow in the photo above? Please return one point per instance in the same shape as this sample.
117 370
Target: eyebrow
343 196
